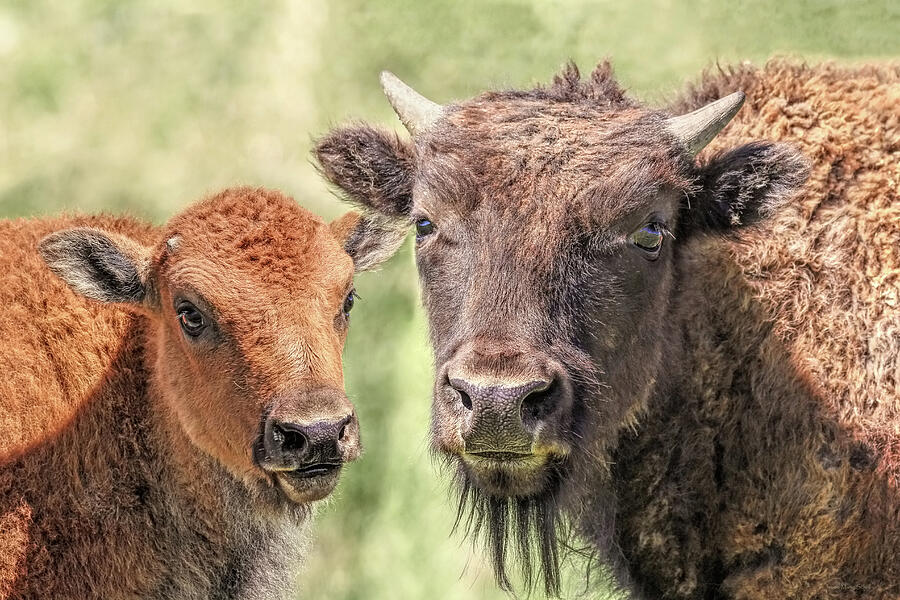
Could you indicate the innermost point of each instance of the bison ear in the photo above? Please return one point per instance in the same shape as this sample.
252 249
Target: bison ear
742 187
374 168
369 239
97 264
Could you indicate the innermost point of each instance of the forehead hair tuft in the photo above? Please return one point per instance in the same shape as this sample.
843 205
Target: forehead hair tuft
577 154
259 232
600 89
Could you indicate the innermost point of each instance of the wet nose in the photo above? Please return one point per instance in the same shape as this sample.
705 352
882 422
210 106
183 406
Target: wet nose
503 416
289 446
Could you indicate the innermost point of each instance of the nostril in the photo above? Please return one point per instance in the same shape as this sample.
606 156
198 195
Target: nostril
459 386
291 440
538 405
344 424
465 399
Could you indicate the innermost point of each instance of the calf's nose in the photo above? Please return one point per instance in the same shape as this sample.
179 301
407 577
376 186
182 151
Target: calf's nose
290 446
503 415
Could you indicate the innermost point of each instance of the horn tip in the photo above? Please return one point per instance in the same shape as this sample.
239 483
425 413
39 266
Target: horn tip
737 99
697 129
416 112
386 77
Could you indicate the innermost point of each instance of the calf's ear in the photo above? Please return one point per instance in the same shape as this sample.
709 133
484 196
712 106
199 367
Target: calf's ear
99 265
369 239
374 168
742 186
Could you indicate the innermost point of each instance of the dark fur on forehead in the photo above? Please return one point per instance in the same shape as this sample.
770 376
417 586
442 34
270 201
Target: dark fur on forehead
582 144
601 89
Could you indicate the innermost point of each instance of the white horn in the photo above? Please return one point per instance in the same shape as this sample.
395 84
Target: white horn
416 111
697 129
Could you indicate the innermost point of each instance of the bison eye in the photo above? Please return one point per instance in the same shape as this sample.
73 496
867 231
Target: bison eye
649 238
348 303
424 228
190 318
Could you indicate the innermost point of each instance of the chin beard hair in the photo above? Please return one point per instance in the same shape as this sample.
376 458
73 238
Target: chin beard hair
525 530
532 531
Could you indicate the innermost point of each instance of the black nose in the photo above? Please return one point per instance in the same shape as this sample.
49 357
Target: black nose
503 416
290 446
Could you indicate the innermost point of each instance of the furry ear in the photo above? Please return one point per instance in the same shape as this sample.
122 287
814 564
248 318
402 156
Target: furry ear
369 239
742 187
373 167
98 265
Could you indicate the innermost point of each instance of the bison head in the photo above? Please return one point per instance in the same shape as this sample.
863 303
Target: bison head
547 225
246 297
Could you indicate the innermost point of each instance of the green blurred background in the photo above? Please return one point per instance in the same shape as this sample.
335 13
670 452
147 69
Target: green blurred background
142 106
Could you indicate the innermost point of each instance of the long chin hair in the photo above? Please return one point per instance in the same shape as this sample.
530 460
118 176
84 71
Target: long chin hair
525 531
532 533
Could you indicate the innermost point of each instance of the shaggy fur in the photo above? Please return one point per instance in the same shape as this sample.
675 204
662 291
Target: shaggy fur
126 450
724 419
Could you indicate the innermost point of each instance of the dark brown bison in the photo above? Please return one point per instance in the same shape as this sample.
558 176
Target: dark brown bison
688 356
171 399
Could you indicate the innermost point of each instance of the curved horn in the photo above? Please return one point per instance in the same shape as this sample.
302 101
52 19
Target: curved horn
696 129
416 111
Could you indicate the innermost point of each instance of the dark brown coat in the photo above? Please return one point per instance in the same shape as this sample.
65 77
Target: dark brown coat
718 417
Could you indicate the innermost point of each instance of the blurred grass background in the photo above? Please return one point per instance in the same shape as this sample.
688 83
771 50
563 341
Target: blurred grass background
141 106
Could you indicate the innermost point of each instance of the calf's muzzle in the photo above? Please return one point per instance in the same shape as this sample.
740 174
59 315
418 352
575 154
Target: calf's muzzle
309 434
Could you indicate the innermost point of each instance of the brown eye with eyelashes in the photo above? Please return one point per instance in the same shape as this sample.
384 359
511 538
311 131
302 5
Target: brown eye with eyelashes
190 318
424 228
349 301
649 238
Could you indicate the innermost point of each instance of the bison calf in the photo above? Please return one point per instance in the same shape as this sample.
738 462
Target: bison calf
171 399
691 356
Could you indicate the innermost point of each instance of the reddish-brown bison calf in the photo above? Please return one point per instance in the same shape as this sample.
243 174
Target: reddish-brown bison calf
171 399
690 356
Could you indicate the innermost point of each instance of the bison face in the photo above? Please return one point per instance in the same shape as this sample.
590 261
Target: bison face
547 325
548 224
247 299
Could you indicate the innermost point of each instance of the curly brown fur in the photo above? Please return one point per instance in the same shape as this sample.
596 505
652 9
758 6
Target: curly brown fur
791 485
738 436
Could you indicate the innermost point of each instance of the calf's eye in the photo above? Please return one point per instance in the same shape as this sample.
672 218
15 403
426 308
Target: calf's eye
190 318
424 228
349 301
648 238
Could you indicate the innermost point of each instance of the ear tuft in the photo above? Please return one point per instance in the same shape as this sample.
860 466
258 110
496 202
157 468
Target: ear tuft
369 239
95 265
375 168
744 186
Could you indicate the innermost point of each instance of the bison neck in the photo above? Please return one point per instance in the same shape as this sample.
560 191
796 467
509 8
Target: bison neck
118 504
739 480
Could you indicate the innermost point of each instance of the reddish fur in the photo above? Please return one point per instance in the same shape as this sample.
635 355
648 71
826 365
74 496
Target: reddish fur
44 380
126 468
